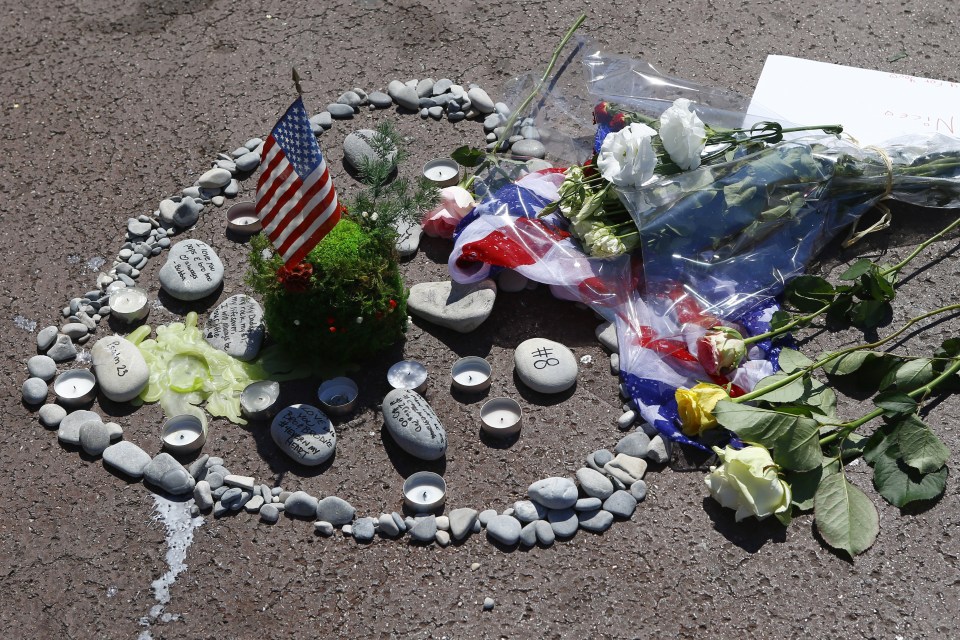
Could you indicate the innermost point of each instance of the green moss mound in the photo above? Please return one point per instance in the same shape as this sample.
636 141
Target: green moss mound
348 304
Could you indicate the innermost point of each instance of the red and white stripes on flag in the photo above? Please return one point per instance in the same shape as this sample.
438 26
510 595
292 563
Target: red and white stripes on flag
296 201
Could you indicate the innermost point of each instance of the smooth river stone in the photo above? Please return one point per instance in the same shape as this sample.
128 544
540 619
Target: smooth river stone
126 457
413 424
554 493
461 307
121 371
304 433
236 327
192 271
545 366
166 473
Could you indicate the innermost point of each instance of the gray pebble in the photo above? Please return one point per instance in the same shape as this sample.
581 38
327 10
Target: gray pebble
588 504
442 538
46 337
602 457
636 444
659 450
528 534
456 116
350 98
477 527
74 330
621 504
545 534
302 504
387 526
230 496
127 458
486 516
435 112
230 191
528 511
425 87
248 162
442 86
253 504
564 522
253 143
239 151
638 490
424 529
198 466
94 437
400 522
114 430
215 480
530 133
322 527
380 100
594 483
443 523
203 496
169 475
615 364
51 414
596 521
336 511
34 391
626 420
363 530
504 529
462 521
407 98
409 522
269 513
340 111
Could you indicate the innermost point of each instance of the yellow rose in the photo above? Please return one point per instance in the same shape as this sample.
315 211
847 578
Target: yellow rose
696 407
747 481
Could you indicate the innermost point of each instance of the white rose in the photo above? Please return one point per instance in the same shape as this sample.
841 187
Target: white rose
683 134
748 482
627 158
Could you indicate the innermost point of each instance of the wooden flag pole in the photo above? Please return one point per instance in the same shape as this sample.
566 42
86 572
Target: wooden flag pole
296 82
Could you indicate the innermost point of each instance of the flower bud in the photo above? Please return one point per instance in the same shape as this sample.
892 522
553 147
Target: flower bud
696 406
720 350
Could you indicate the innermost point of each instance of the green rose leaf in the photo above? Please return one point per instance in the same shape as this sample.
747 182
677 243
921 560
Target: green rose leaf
804 484
868 314
857 269
852 362
879 287
853 446
467 156
790 392
878 443
794 440
895 403
910 375
779 320
919 445
792 360
809 293
949 349
845 516
899 484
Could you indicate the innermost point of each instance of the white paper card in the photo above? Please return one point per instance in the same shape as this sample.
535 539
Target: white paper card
872 106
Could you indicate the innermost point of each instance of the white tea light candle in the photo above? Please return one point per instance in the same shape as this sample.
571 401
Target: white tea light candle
183 434
442 172
129 304
242 218
75 388
258 400
338 396
424 491
408 374
471 374
501 417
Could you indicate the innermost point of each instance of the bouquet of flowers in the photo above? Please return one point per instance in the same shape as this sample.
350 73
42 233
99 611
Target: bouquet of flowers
681 233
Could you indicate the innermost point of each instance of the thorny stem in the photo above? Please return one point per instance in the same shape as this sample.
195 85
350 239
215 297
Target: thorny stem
759 393
923 245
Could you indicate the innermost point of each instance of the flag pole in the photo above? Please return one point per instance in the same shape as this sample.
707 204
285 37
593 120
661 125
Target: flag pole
296 82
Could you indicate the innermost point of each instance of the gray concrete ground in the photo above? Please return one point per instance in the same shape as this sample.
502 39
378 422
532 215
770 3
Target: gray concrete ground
109 106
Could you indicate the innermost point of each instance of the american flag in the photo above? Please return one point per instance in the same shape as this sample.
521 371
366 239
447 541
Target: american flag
296 201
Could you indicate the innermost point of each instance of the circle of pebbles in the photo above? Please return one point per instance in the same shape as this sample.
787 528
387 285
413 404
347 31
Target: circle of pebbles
611 483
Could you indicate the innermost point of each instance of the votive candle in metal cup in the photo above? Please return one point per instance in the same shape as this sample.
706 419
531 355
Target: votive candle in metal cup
184 434
501 417
443 172
259 400
129 304
338 396
408 374
75 388
424 491
471 374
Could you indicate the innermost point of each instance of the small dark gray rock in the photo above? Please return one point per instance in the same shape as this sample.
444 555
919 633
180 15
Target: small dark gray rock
639 490
424 529
336 511
301 504
380 100
363 529
621 504
340 111
596 521
528 534
127 458
504 529
269 513
588 504
564 522
94 437
635 444
63 349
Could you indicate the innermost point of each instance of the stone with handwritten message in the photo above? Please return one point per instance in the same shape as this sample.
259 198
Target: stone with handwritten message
236 327
413 424
121 371
304 433
192 271
545 366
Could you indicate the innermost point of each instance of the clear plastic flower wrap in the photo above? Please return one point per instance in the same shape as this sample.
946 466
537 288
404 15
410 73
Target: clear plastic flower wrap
715 244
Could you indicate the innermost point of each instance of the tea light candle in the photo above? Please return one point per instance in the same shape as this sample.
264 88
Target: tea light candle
408 374
184 433
443 172
424 491
471 374
129 304
258 400
75 388
338 396
242 218
501 417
